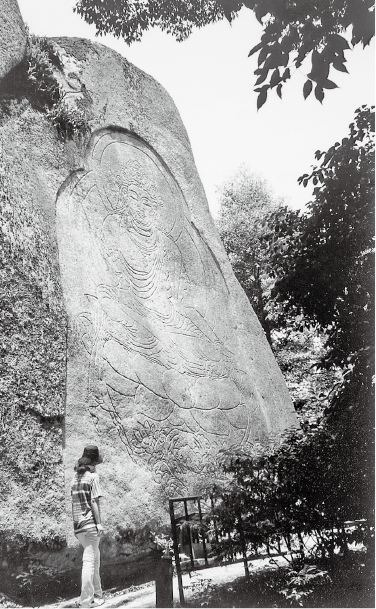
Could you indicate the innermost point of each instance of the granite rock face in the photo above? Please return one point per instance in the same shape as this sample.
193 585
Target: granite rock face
166 362
12 36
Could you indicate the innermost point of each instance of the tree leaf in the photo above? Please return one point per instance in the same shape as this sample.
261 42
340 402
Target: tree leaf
255 48
261 9
279 90
228 6
265 51
339 42
329 84
262 77
363 25
261 99
276 59
320 67
275 78
303 52
339 65
319 93
307 88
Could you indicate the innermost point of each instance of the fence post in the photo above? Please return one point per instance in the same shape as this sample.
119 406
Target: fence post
189 532
163 583
176 552
202 532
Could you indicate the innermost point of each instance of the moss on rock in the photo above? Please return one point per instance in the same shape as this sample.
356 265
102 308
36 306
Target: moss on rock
32 370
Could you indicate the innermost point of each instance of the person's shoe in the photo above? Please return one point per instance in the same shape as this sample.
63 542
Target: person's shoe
97 602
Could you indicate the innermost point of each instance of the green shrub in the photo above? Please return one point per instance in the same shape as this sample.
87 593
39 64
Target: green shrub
41 59
297 501
35 79
70 120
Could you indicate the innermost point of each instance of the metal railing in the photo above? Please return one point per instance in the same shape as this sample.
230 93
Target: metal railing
190 525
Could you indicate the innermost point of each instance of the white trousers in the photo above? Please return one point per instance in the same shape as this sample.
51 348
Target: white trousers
90 580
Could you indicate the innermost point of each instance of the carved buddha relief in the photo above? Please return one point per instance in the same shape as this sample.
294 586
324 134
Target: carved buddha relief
148 304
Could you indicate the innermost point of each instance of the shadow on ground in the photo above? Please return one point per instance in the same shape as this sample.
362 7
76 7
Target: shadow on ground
351 585
44 590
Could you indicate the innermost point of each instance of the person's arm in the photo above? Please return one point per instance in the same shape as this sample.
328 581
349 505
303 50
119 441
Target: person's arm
95 508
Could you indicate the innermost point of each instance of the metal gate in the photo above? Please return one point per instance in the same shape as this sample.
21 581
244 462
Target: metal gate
191 539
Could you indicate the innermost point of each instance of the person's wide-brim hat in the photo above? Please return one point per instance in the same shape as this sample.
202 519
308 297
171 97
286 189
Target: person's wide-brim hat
90 456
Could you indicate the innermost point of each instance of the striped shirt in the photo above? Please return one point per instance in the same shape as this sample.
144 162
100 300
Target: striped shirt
84 488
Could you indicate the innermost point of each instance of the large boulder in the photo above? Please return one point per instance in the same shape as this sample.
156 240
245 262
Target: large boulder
165 363
12 36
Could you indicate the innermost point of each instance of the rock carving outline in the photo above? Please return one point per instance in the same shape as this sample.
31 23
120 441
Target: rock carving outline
159 370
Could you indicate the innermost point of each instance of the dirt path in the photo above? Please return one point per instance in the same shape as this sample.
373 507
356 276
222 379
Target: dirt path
144 596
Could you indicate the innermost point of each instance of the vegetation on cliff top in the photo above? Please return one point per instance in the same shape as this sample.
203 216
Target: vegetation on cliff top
35 79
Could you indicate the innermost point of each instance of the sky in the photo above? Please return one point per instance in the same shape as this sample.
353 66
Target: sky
210 78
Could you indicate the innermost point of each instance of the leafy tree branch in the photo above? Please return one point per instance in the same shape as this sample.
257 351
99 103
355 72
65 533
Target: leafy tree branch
323 259
294 31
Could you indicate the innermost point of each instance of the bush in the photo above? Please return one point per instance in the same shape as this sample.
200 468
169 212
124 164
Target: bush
296 501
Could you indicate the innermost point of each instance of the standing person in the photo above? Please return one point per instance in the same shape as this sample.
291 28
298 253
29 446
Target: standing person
86 493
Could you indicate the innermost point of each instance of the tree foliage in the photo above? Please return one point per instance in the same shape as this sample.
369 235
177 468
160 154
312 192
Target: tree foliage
323 259
247 209
129 19
322 263
296 30
301 489
293 31
245 200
